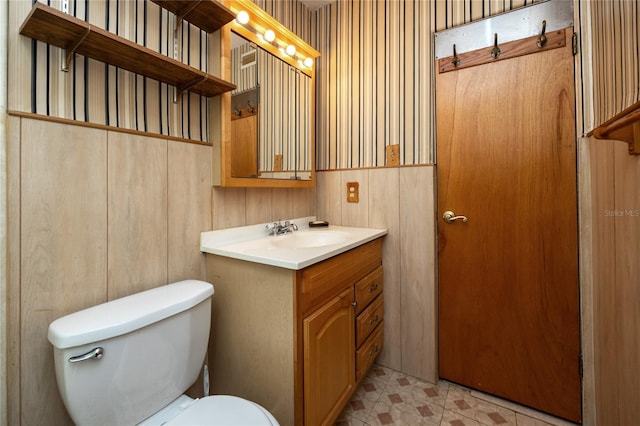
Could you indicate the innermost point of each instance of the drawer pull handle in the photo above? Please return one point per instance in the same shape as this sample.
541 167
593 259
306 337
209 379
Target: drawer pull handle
374 350
373 288
374 319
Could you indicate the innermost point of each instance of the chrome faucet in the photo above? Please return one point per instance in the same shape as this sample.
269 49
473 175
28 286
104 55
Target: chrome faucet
280 229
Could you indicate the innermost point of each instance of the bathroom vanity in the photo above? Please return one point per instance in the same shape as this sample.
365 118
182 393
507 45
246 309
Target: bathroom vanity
297 320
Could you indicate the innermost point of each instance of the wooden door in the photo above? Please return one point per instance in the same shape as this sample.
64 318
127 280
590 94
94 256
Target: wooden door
244 145
508 277
329 359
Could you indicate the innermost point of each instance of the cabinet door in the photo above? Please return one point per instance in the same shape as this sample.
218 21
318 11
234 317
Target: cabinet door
329 347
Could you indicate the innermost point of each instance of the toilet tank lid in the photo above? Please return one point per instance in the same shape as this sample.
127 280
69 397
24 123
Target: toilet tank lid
121 316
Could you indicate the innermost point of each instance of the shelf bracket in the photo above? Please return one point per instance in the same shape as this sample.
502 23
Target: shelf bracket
624 127
184 87
69 51
188 10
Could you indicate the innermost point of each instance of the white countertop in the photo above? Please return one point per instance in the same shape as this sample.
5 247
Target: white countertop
253 244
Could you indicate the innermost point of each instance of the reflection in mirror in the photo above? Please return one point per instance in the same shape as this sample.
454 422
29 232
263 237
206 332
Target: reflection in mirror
270 115
244 108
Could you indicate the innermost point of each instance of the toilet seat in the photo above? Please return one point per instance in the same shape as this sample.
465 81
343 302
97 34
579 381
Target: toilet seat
223 410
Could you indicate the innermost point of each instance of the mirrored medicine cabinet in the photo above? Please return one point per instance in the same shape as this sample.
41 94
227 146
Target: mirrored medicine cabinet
268 120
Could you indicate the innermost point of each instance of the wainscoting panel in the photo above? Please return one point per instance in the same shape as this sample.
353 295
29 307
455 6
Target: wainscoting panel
93 215
137 213
63 248
402 201
189 209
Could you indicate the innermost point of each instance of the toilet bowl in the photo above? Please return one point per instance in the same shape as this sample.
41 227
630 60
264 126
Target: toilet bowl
217 410
129 361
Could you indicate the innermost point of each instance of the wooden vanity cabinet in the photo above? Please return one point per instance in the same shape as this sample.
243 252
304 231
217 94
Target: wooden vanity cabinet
296 342
329 373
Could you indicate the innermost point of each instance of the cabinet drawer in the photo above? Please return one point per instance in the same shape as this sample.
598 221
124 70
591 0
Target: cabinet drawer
368 351
369 319
324 280
368 288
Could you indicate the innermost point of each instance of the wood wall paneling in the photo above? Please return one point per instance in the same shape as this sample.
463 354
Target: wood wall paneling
258 206
627 261
304 202
355 214
189 209
401 200
91 219
63 247
586 246
282 204
417 263
13 270
384 212
614 70
228 207
329 197
137 210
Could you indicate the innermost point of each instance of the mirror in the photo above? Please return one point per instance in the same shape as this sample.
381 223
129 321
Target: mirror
270 115
269 141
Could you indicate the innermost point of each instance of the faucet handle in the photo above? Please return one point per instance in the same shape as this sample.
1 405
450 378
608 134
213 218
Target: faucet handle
272 228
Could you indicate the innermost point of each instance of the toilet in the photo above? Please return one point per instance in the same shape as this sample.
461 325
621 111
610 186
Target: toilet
128 362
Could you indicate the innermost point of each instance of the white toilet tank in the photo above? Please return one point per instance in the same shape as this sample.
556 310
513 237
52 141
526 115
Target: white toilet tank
143 351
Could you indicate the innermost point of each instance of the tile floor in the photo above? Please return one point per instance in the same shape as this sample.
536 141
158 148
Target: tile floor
388 397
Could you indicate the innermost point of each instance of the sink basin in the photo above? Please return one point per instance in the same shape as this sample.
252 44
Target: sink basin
310 239
296 250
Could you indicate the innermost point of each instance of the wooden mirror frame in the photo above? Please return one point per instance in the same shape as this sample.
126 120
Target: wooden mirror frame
259 20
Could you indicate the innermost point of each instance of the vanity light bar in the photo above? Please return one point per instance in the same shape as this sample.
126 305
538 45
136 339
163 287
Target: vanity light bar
242 17
251 19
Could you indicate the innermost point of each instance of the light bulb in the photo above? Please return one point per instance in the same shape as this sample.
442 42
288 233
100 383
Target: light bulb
308 62
269 35
291 50
243 17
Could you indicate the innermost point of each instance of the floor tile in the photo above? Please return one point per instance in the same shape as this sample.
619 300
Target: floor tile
388 397
461 401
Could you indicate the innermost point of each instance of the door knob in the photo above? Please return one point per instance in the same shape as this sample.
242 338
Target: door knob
451 217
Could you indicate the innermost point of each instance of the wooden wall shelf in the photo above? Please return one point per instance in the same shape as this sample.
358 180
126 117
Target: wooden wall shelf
52 26
624 126
209 15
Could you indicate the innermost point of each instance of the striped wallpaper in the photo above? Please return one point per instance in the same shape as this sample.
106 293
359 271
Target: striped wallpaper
615 29
95 92
373 80
374 85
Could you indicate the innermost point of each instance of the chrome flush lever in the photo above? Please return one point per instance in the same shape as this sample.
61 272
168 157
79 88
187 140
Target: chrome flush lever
451 217
95 353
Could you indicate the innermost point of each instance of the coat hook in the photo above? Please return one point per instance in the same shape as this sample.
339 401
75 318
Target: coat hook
495 52
238 112
251 109
542 39
455 61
